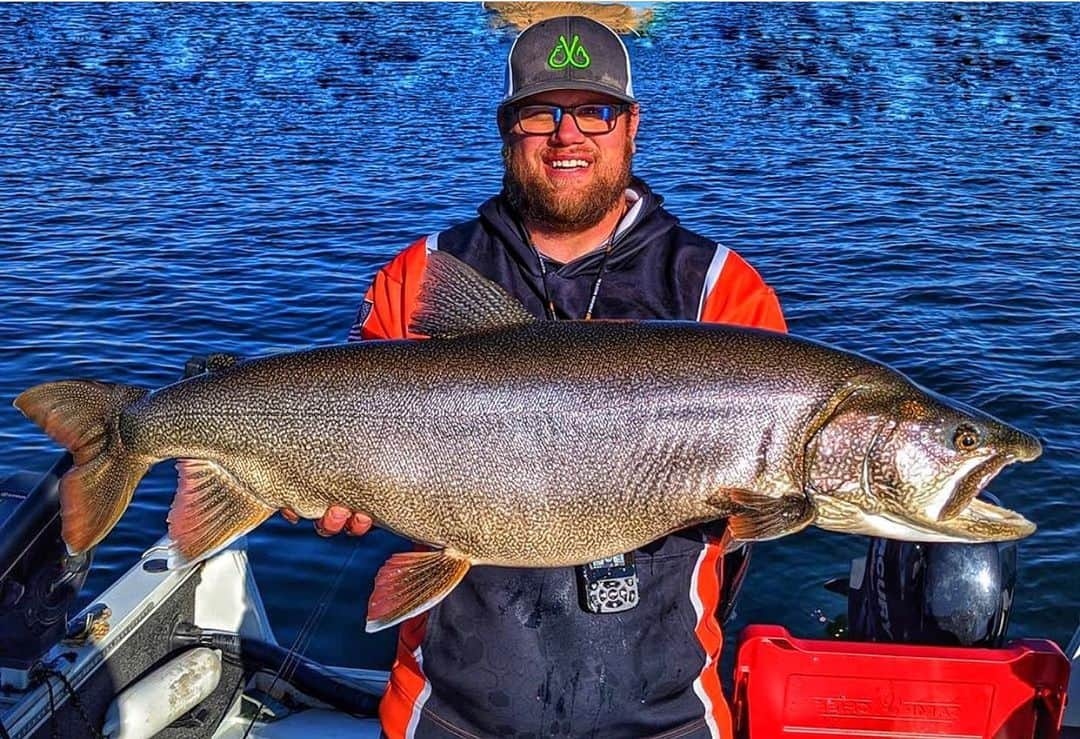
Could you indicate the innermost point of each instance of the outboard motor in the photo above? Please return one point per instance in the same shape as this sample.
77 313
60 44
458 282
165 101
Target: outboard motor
936 594
38 579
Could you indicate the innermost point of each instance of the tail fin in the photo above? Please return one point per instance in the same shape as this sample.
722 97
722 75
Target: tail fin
84 416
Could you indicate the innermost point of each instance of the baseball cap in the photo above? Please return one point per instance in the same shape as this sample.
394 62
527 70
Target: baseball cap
569 52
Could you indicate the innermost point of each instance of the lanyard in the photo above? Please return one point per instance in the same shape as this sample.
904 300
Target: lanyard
606 585
549 304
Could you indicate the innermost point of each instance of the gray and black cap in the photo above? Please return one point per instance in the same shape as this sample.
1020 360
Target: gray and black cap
568 53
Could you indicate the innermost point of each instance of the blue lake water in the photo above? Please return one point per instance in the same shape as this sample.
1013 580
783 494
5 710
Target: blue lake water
178 179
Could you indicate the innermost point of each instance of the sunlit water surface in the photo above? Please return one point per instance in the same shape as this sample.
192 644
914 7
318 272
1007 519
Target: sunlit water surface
182 179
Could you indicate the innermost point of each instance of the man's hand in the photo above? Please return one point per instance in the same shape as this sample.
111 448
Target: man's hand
339 518
335 520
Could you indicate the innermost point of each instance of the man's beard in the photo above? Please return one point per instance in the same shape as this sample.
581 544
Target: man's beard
540 202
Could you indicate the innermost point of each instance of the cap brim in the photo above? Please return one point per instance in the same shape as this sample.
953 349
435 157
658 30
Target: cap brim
587 85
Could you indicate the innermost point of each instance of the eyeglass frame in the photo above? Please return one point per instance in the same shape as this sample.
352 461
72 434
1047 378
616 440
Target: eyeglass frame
512 116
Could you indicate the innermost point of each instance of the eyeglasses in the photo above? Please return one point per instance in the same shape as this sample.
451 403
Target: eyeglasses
591 118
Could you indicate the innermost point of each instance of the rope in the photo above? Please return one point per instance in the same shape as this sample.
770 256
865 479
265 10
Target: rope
303 637
76 702
52 710
45 674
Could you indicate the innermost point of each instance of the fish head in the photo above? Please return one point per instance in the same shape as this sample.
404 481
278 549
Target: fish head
897 461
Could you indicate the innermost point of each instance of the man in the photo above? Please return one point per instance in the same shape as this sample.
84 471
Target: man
623 648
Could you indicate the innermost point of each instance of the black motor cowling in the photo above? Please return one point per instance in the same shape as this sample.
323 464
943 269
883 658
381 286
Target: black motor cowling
937 594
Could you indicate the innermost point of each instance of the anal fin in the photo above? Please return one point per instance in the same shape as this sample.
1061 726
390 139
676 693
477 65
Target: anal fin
412 582
759 517
211 509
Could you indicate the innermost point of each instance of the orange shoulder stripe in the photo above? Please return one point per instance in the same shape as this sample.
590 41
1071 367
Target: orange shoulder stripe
408 688
740 297
393 294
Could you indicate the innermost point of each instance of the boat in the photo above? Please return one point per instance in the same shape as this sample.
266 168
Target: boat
191 654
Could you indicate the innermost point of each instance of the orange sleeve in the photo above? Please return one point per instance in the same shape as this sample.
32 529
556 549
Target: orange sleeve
740 297
392 297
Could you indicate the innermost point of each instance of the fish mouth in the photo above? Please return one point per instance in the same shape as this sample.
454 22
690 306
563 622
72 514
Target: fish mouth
965 519
975 481
979 522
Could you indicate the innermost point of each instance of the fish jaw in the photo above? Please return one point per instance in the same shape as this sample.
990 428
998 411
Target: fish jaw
967 487
978 522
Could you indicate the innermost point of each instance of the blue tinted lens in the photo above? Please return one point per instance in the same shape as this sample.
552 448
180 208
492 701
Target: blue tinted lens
590 117
594 118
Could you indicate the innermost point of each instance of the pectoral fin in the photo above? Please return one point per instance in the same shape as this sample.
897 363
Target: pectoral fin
759 517
211 509
412 582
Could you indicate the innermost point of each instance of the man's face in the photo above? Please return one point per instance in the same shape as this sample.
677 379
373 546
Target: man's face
567 180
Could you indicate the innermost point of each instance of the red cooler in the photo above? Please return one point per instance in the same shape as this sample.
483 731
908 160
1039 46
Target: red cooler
788 688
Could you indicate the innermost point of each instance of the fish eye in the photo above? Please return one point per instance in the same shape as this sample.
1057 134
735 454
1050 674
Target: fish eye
966 438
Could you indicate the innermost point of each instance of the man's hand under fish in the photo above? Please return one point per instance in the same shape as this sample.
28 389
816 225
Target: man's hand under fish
509 441
336 519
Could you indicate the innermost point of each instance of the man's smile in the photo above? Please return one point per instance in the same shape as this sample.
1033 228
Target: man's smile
566 165
569 164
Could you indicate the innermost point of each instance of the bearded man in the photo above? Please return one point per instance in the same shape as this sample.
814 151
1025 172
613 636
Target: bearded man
625 647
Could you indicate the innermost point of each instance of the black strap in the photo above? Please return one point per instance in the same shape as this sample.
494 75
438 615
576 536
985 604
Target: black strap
46 673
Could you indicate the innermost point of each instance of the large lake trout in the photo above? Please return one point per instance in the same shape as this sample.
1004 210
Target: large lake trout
504 440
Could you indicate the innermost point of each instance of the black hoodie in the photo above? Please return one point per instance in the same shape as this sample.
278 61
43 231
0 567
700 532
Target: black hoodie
656 268
512 652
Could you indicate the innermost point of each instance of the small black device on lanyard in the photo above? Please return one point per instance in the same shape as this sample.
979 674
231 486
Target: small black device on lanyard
608 585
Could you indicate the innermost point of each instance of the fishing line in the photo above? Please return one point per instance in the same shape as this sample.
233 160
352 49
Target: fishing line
303 637
307 632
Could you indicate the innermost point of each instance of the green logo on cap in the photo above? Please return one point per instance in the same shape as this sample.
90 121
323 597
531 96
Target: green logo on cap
572 54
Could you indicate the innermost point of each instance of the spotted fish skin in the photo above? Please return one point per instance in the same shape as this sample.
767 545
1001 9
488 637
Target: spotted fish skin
509 441
543 444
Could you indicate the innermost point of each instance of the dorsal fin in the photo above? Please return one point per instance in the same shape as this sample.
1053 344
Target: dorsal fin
221 360
455 300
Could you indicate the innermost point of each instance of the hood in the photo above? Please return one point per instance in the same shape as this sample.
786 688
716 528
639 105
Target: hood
647 222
